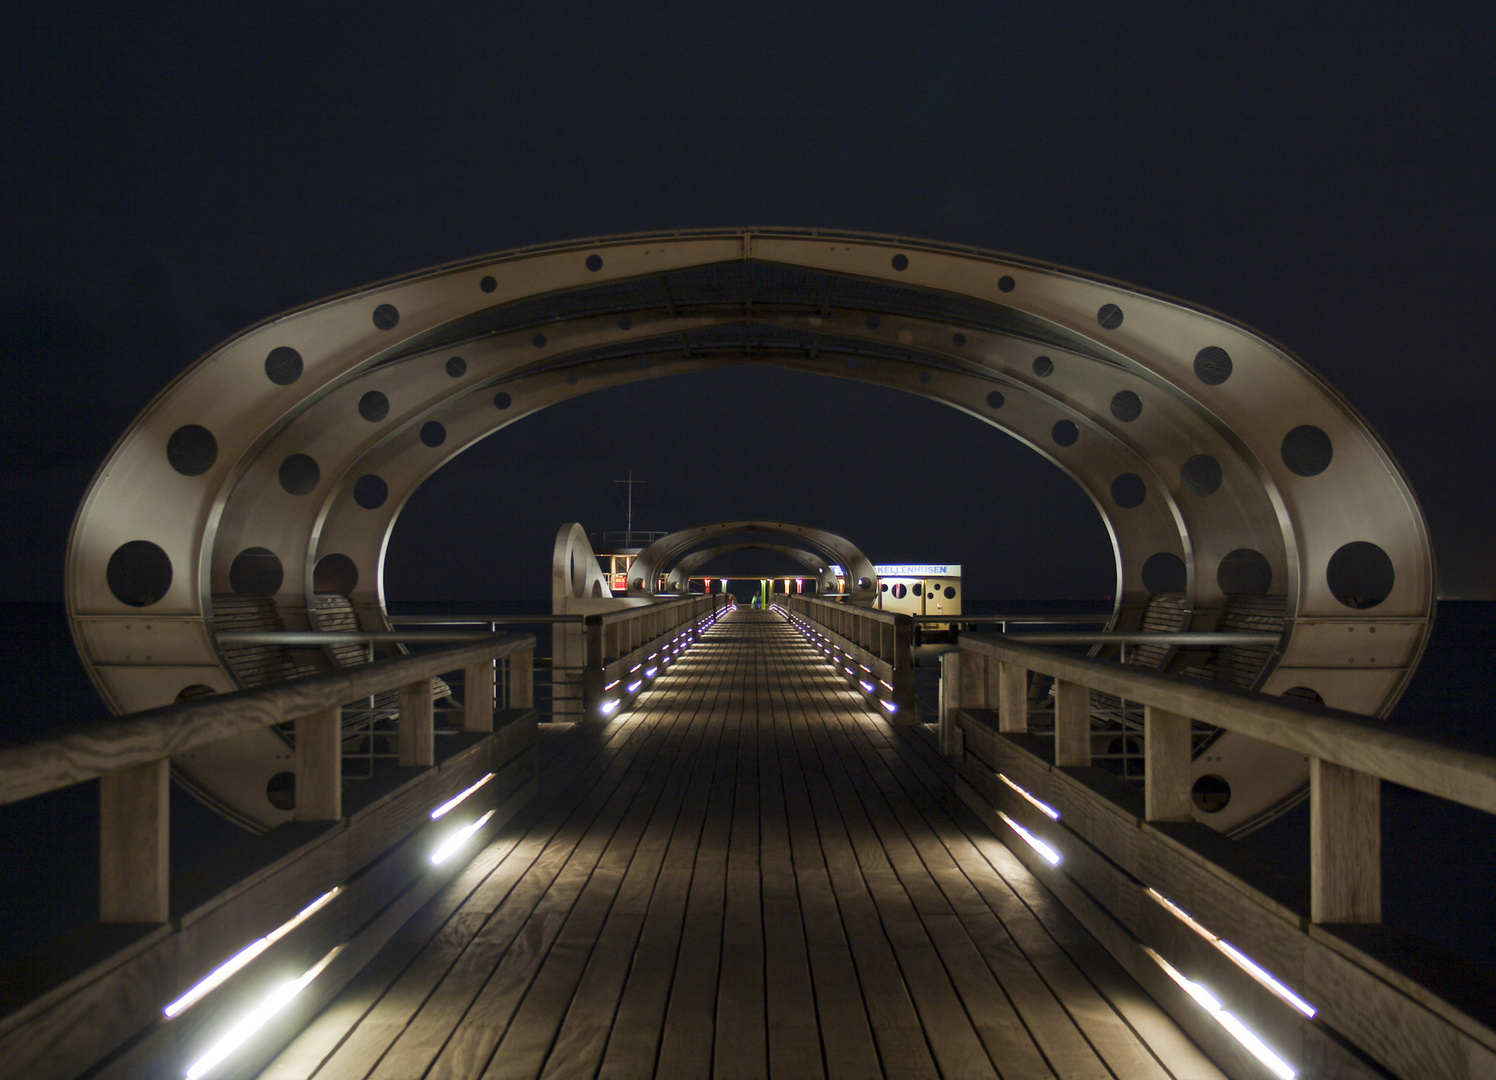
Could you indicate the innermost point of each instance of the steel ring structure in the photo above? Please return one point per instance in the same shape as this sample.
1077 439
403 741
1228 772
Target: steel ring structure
274 468
679 577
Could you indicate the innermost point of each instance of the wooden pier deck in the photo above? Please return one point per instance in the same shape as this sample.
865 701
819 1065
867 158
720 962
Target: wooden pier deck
747 875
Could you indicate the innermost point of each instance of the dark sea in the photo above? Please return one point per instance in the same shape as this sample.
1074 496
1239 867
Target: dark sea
1439 858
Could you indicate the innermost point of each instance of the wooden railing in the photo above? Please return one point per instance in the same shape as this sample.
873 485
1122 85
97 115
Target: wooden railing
99 998
131 755
879 644
621 646
1117 848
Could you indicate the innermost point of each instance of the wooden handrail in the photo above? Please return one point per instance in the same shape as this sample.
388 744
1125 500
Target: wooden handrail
86 752
1389 751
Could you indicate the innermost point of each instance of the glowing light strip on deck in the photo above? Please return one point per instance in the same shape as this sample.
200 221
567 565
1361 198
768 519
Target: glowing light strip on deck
229 968
1050 855
257 1018
1228 1020
1044 808
1239 958
457 839
443 809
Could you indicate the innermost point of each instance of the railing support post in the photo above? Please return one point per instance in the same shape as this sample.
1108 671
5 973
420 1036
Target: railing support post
1072 723
1012 697
417 724
134 820
319 765
1166 766
593 665
950 700
973 672
478 684
522 679
1345 844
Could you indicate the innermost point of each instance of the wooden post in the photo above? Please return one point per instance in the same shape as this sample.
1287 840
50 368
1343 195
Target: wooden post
1072 723
319 765
134 844
973 680
1345 845
1012 697
950 700
478 696
417 724
522 679
1166 766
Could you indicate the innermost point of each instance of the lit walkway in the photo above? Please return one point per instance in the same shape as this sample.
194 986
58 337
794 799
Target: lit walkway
748 875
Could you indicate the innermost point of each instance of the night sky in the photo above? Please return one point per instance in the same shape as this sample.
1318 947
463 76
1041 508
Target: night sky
171 177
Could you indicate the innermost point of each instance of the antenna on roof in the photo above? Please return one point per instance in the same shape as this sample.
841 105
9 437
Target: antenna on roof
629 535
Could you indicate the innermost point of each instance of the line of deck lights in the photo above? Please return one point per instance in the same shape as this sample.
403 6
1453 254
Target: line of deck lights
257 1017
286 992
842 659
1203 997
669 653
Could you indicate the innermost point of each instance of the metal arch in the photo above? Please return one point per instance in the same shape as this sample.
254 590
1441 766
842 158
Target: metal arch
681 573
658 558
546 323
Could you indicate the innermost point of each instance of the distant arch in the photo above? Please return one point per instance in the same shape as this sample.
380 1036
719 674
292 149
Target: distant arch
658 559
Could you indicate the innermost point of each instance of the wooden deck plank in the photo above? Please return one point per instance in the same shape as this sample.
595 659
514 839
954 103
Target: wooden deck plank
747 875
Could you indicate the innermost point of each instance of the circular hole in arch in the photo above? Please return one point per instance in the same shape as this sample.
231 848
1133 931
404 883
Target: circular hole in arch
1043 367
1200 475
386 316
256 571
1211 793
502 400
538 341
1307 450
191 450
335 573
1163 571
1129 490
1126 406
457 367
299 474
370 491
571 377
1212 365
1360 575
1005 284
1064 433
1109 316
433 434
1245 572
994 399
138 573
194 691
594 263
643 362
924 376
625 323
901 261
1304 693
373 406
864 583
281 791
958 340
950 593
487 283
283 365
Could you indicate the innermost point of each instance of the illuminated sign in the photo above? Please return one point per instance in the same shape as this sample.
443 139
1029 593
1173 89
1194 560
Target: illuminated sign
919 570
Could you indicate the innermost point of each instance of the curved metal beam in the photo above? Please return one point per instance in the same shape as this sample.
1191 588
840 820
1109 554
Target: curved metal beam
656 560
277 465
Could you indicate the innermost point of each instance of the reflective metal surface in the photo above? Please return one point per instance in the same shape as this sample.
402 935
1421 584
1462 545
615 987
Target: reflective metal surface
277 465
